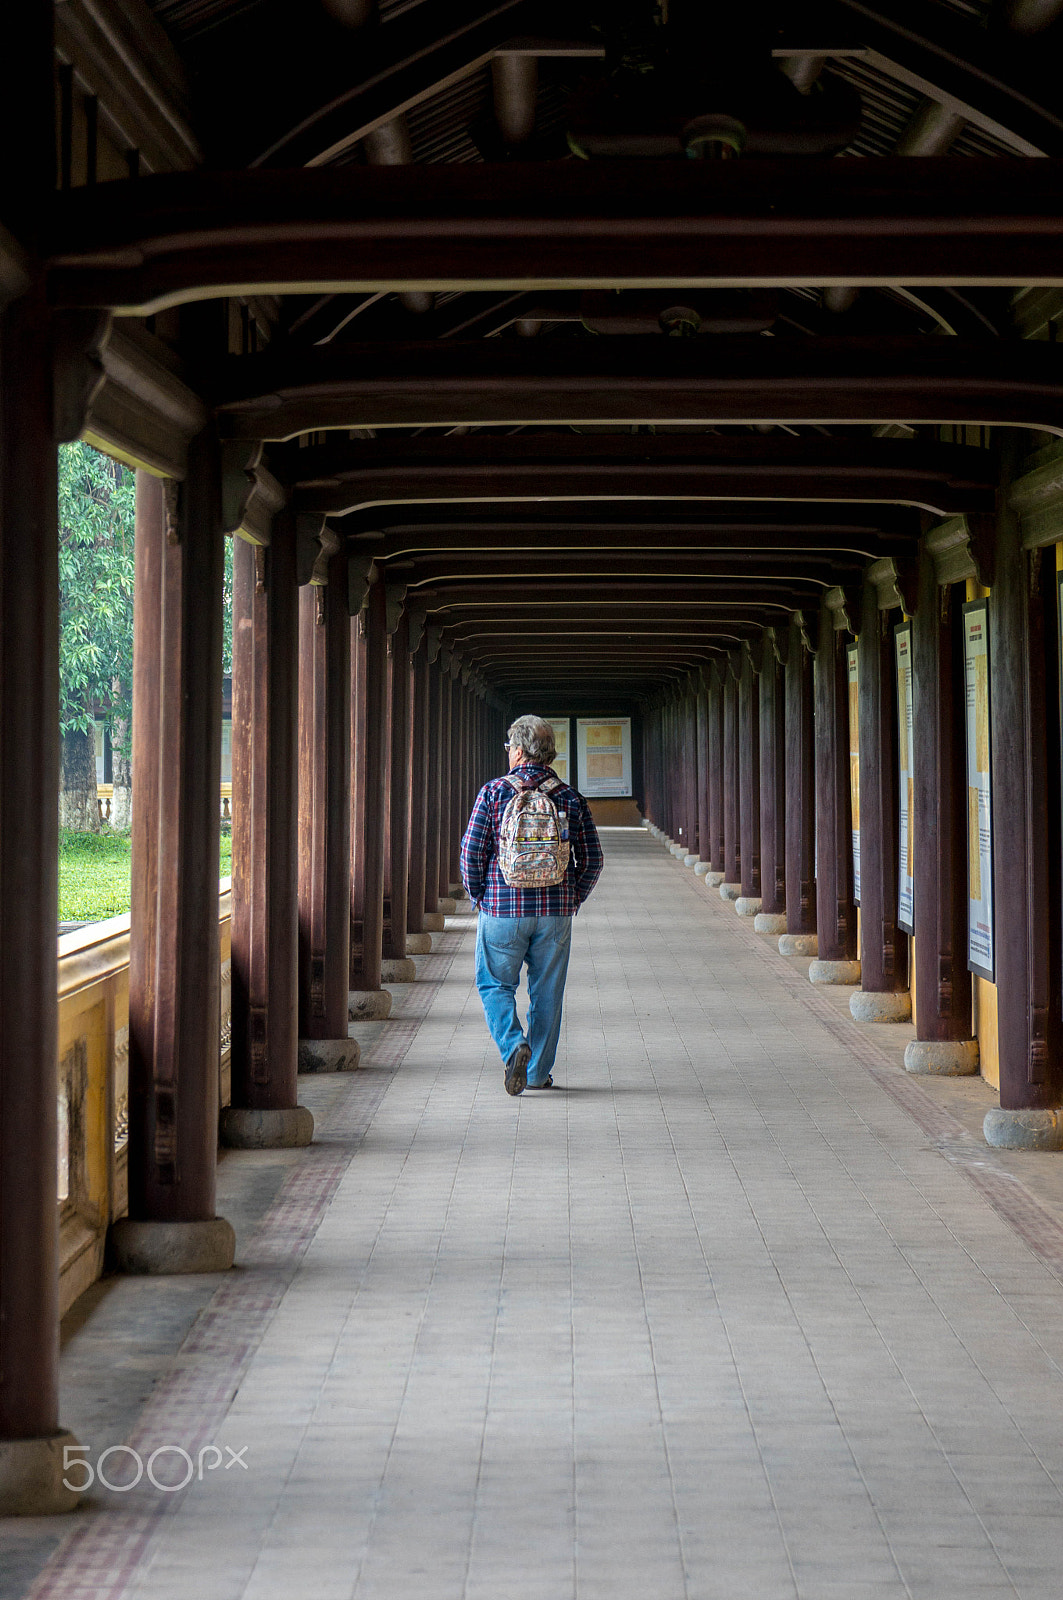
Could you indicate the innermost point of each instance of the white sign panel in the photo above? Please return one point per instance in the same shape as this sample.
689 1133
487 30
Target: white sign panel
603 747
561 763
854 762
902 638
980 953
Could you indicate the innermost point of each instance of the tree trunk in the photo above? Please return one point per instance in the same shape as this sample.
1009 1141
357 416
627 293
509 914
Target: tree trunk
122 777
78 807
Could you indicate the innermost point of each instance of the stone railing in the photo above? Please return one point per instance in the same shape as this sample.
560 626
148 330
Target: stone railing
93 1087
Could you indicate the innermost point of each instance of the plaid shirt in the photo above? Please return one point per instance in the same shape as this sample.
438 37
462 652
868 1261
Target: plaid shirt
480 873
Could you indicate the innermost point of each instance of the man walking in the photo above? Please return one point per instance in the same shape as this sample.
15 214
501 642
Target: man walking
519 925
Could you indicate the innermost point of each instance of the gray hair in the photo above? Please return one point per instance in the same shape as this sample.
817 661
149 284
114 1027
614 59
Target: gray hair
535 737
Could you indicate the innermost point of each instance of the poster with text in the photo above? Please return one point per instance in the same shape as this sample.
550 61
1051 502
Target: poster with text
854 761
980 953
902 639
603 746
562 727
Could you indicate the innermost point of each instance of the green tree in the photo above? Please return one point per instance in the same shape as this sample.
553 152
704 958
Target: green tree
96 514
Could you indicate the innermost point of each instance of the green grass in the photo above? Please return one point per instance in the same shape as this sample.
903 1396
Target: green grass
94 874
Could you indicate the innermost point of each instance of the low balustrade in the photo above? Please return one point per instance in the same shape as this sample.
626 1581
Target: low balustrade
93 1087
105 802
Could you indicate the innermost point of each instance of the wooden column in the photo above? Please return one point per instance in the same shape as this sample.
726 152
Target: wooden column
884 946
771 711
265 921
397 812
446 752
419 781
732 860
749 786
701 730
325 823
458 777
1025 756
174 961
434 739
943 1042
691 837
835 910
800 936
716 874
30 1441
368 804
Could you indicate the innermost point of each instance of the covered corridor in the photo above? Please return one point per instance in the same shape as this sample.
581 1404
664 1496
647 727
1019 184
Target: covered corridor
692 377
740 1310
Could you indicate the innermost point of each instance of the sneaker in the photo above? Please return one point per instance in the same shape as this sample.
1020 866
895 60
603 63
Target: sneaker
517 1069
547 1083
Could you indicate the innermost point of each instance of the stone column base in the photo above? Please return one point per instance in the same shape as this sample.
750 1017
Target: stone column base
689 860
713 878
368 1005
748 905
329 1055
799 944
31 1477
942 1058
701 868
155 1249
448 905
730 891
434 921
398 969
418 944
770 922
869 1006
278 1128
834 972
1024 1130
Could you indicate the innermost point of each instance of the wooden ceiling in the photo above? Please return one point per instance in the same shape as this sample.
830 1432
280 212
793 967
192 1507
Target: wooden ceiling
615 331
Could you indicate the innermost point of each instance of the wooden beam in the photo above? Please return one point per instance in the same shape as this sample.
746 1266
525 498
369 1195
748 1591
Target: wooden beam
345 475
140 246
742 380
637 527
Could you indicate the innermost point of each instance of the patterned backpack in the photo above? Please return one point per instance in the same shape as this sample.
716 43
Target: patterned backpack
533 847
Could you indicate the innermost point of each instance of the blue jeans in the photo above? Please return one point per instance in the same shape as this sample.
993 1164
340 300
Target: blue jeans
503 945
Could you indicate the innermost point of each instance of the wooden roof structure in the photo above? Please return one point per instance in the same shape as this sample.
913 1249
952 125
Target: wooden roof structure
454 264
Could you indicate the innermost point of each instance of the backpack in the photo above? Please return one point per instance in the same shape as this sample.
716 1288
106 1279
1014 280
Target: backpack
533 847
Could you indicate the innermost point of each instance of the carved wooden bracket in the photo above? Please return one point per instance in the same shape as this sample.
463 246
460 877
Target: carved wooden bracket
78 341
434 635
1036 496
143 413
962 547
843 608
800 623
416 615
171 506
315 545
394 601
360 574
455 665
250 495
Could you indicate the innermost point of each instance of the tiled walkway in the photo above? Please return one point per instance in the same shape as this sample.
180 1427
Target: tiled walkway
716 1319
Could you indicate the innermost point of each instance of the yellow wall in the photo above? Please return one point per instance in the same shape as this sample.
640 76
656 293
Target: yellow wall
984 995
